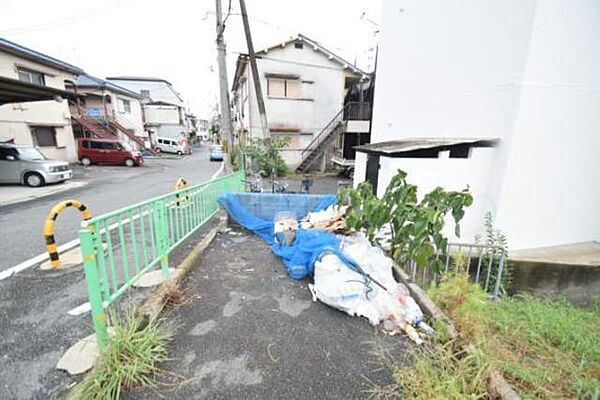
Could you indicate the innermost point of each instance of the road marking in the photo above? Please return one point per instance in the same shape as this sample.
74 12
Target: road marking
36 260
82 309
74 243
219 171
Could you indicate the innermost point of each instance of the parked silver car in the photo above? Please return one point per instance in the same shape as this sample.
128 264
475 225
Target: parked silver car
26 165
216 152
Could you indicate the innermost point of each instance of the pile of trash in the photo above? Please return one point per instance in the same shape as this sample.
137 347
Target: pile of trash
349 273
332 219
361 283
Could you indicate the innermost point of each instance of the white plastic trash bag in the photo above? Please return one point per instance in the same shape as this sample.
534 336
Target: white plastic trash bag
339 286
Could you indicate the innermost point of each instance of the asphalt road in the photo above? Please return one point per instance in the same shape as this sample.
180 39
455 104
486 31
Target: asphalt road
109 188
34 324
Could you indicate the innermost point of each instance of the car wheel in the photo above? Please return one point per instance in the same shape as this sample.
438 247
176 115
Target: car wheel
86 162
33 179
179 153
129 162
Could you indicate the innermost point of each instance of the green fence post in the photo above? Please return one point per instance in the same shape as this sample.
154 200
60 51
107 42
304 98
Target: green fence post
163 235
90 266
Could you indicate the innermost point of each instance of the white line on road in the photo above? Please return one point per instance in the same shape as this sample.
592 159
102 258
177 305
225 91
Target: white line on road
36 260
82 309
219 171
72 244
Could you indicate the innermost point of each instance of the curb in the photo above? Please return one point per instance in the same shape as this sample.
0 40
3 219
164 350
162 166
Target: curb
153 305
499 387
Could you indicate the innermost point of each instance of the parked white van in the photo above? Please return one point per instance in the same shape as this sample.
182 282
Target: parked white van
170 145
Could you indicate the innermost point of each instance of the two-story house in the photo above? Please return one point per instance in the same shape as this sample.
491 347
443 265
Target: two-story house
108 110
163 107
45 124
304 85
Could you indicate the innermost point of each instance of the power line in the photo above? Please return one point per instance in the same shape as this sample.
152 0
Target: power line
67 21
292 62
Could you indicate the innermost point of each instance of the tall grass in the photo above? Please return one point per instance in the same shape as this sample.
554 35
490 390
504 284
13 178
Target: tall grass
545 349
130 360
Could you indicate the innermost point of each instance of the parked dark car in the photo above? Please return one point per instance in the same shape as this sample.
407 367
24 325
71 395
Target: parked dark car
106 151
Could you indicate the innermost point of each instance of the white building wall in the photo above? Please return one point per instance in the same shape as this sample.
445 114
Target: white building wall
16 119
551 188
130 120
163 114
450 68
523 71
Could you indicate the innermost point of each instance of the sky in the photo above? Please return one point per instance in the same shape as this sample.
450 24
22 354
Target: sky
175 39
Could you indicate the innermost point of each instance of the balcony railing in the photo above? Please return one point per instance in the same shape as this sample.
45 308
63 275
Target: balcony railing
357 111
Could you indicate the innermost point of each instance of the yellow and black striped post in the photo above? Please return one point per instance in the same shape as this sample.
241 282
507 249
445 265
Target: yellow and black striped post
49 226
180 184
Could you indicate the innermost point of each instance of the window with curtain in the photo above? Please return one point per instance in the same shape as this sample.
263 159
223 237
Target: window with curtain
286 88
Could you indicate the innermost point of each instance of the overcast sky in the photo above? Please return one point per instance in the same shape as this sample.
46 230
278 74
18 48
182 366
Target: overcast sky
175 39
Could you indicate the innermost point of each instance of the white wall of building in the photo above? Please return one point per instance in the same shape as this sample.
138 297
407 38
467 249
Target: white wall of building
17 119
161 114
550 192
523 71
132 119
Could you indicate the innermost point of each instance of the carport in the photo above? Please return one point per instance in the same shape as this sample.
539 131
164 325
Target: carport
16 91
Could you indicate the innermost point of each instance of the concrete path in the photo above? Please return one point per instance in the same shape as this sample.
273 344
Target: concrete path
250 332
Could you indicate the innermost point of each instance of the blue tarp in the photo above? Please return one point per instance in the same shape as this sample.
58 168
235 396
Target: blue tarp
256 211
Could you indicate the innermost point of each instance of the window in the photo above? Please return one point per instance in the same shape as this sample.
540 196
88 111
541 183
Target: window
145 93
298 45
288 88
44 136
27 75
8 151
124 106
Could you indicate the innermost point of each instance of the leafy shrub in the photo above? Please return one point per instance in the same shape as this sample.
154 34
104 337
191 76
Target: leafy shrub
266 158
415 227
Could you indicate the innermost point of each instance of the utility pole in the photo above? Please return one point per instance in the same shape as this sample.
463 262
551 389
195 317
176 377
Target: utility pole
255 77
223 84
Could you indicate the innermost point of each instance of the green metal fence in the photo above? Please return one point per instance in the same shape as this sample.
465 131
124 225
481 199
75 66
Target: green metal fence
120 246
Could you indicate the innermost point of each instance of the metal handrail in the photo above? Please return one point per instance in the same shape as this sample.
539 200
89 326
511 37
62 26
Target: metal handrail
318 137
120 246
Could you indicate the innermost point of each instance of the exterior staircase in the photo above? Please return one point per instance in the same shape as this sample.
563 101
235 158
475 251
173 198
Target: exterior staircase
92 125
104 127
129 134
321 141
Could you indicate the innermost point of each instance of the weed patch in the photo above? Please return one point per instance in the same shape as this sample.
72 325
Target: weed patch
546 349
130 360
